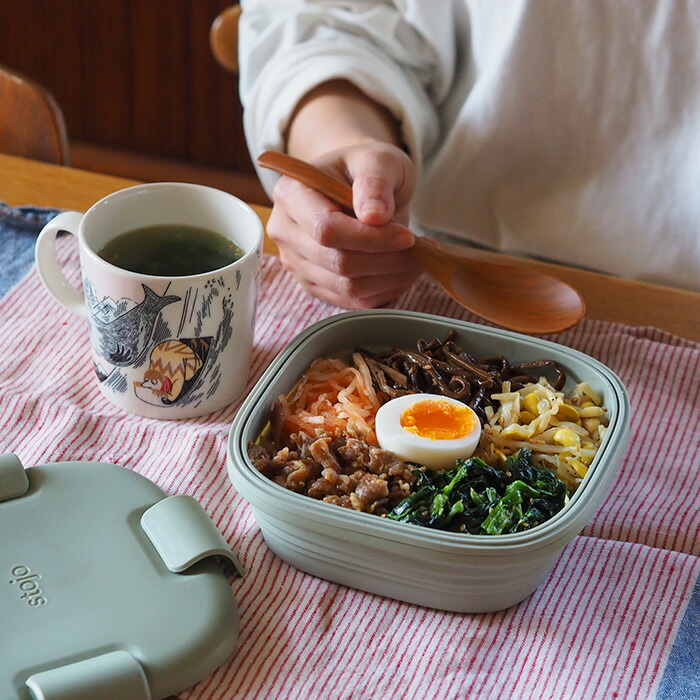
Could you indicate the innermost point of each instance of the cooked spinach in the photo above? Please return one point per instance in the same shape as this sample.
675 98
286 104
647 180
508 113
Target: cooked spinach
482 500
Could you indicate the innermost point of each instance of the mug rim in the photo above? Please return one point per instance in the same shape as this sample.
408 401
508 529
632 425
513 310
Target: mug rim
86 248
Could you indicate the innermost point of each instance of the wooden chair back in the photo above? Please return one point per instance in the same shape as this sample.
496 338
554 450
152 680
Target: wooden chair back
31 121
223 38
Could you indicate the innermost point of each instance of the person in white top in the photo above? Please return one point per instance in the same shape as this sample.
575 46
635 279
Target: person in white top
568 131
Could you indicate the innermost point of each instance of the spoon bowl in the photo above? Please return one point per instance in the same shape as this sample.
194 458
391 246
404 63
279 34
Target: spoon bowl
510 295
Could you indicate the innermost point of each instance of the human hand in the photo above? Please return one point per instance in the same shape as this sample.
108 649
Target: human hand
355 262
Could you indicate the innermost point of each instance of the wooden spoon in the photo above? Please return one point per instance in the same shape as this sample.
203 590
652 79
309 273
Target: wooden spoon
512 296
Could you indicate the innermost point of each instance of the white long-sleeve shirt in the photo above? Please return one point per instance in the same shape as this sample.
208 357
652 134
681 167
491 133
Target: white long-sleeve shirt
563 130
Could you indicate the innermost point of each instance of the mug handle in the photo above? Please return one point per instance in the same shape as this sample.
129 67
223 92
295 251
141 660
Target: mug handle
47 266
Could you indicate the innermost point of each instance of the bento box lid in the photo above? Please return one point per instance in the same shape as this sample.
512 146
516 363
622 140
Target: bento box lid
111 588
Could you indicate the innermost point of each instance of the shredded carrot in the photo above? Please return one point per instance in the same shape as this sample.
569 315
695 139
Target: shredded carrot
333 397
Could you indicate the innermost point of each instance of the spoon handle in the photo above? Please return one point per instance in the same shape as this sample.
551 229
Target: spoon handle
309 175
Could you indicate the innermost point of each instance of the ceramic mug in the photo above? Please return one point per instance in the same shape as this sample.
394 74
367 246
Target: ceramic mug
163 347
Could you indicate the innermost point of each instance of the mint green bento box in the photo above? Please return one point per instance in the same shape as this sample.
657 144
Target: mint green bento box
443 570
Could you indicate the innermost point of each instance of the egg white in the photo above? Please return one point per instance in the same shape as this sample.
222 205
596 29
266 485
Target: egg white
436 454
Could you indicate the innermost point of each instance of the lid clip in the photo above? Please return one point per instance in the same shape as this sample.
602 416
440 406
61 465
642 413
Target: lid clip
115 675
13 478
183 534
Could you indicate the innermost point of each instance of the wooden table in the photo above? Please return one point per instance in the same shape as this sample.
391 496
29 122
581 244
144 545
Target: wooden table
608 298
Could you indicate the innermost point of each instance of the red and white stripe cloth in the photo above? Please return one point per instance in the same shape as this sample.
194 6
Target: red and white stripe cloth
601 626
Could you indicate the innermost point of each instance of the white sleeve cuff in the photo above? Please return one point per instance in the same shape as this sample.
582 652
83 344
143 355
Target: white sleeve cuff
278 89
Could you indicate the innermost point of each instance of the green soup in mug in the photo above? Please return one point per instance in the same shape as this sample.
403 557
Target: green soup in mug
170 250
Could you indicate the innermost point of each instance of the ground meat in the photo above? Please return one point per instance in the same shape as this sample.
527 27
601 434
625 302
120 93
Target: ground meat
385 462
260 457
299 474
371 458
352 451
321 488
342 501
398 490
320 451
332 483
344 471
272 465
372 491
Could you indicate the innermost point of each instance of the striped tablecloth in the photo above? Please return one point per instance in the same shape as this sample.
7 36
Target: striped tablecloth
617 617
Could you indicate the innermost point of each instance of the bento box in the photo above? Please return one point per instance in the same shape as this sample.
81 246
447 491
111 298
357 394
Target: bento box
450 571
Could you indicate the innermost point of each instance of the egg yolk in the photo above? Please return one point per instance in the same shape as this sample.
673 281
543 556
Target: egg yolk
438 420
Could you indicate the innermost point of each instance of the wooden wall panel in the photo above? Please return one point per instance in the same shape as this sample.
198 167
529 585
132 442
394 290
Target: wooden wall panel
137 75
61 54
161 76
214 97
106 107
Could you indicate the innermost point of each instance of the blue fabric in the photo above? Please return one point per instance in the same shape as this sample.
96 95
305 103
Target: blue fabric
19 228
681 678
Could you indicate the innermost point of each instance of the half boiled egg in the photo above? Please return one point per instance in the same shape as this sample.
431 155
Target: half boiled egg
428 429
